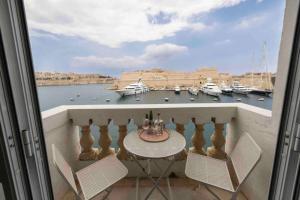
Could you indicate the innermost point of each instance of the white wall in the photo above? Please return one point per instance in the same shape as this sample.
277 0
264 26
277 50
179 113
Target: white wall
256 122
287 39
58 130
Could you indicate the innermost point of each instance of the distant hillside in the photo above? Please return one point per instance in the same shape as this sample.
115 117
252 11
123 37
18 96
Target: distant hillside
57 78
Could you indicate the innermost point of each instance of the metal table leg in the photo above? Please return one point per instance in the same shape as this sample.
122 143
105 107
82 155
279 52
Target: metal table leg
137 192
155 182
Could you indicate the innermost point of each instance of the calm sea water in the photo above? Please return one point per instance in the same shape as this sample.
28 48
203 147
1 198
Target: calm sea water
52 96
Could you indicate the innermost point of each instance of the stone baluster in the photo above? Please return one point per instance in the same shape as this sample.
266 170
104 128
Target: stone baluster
122 153
105 142
86 143
198 139
180 129
218 142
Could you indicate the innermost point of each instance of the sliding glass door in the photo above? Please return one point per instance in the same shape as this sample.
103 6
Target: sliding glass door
22 140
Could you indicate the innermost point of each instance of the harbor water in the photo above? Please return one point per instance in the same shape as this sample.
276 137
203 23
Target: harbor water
52 96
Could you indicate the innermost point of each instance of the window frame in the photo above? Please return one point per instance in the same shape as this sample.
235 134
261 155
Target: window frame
23 88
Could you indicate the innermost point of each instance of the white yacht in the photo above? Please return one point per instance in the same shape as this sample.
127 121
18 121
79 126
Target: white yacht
225 89
211 89
193 91
240 89
133 89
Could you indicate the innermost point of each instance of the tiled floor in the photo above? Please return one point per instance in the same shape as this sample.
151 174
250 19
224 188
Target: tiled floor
182 189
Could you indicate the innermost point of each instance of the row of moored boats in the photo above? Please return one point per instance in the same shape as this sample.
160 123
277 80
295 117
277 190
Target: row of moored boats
209 88
212 89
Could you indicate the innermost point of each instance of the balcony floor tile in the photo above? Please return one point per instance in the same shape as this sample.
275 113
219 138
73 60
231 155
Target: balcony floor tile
182 189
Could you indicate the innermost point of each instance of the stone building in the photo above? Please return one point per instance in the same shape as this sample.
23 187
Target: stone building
57 78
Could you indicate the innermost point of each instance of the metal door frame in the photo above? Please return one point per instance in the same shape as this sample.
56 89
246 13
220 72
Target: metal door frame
285 180
26 132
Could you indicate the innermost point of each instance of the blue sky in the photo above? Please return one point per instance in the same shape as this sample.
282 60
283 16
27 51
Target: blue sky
110 37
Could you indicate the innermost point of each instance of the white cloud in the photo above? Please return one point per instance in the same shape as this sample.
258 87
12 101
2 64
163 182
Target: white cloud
223 42
152 53
259 1
197 26
112 23
162 51
111 62
251 21
38 34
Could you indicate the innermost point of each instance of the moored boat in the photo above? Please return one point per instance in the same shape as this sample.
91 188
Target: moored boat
193 91
133 89
240 89
226 89
260 99
263 92
211 89
265 88
177 90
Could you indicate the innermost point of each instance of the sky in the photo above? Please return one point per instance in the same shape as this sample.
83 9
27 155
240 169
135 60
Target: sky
109 37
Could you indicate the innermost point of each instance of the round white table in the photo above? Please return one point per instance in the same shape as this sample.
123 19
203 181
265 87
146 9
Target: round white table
155 150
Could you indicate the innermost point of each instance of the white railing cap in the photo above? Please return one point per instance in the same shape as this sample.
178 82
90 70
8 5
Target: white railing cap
182 113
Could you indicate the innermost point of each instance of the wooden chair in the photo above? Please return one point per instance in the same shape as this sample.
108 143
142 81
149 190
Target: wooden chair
225 174
93 180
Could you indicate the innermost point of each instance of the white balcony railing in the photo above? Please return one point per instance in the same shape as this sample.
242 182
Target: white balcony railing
72 129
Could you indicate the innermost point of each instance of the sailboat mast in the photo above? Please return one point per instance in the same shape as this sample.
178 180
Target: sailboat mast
253 65
267 78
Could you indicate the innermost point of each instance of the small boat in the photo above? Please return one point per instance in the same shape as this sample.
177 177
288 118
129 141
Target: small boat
225 89
215 99
240 89
192 99
71 99
133 89
137 99
177 90
193 91
260 99
107 100
166 99
78 95
238 99
211 89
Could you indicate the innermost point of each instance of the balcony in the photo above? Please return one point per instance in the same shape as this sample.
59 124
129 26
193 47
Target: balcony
85 133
